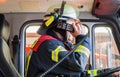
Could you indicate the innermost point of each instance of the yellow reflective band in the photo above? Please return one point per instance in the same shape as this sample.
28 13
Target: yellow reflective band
92 72
49 21
83 49
27 65
56 52
32 46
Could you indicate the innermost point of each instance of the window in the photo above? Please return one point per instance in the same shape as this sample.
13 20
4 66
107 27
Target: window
106 51
31 36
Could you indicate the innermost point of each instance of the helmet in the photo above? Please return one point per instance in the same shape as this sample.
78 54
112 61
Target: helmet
54 17
68 11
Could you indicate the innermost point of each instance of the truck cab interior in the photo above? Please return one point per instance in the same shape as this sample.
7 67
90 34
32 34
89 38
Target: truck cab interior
21 19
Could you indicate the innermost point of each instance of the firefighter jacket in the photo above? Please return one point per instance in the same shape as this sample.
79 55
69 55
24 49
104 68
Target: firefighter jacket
50 51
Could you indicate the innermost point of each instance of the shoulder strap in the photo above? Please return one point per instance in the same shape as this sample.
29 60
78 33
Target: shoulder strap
38 42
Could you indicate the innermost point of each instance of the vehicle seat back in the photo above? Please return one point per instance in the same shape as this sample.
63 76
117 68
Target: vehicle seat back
7 69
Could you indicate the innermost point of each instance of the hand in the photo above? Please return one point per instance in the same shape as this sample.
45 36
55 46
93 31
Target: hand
77 29
116 74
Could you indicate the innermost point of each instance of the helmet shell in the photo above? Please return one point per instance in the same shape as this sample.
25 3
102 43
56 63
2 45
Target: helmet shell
68 11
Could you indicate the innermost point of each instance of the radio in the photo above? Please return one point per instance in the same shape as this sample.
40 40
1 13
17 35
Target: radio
62 24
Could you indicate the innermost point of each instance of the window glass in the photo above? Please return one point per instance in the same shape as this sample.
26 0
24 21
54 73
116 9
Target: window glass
106 51
31 35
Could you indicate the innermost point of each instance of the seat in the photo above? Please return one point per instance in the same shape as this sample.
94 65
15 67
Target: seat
7 69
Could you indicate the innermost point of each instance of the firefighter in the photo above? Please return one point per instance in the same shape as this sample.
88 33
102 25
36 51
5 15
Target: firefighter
52 46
